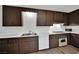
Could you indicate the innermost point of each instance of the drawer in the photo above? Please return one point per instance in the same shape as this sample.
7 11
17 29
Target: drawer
28 39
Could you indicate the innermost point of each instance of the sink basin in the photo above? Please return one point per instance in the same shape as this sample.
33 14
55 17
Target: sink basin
25 34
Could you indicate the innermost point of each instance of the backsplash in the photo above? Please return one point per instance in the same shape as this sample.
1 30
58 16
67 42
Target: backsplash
75 29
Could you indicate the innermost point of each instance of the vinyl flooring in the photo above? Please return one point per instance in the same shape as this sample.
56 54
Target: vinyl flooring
60 50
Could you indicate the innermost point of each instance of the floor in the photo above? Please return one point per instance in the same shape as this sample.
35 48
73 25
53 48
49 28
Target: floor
60 50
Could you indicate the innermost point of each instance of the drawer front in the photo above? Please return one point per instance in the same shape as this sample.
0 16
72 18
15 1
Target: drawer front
75 40
28 39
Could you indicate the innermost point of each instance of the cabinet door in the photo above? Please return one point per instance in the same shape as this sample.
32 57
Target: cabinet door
53 41
75 40
66 19
74 18
3 46
58 17
41 18
28 45
49 18
69 38
11 16
13 46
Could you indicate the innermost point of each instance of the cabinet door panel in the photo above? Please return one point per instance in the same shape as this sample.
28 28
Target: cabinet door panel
66 19
13 46
53 41
28 45
3 46
75 40
58 17
49 18
41 19
11 16
74 18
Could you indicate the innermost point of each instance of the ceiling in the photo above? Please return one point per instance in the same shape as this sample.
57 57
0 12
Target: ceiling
62 8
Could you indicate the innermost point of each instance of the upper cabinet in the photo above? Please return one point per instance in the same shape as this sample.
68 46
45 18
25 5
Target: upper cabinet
58 17
41 18
74 18
44 18
11 16
61 17
47 18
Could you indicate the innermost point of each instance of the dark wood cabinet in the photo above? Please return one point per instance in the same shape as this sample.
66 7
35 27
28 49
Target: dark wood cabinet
74 18
45 18
49 18
41 18
53 41
18 45
9 45
68 38
13 46
28 45
75 40
66 19
3 46
61 17
11 16
58 17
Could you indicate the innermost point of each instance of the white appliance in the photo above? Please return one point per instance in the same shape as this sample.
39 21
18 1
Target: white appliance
62 41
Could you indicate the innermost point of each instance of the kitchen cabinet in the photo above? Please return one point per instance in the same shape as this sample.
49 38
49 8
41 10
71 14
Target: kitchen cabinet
66 19
13 46
49 18
19 45
75 40
9 46
68 38
11 16
53 41
61 17
58 17
3 46
45 18
41 18
74 18
28 45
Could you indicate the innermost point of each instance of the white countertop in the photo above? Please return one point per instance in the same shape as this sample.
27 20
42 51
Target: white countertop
17 36
64 33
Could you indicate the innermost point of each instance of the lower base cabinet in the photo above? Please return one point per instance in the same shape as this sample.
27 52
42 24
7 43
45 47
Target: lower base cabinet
75 40
53 41
3 46
13 46
18 45
28 45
